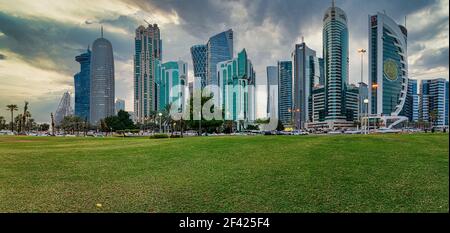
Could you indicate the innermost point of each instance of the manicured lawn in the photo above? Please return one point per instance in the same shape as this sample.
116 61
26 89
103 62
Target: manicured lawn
343 173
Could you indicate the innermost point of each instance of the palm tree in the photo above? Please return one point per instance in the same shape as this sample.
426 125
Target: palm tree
434 115
12 108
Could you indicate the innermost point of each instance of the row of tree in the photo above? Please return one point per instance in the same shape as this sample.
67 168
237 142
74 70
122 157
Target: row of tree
21 123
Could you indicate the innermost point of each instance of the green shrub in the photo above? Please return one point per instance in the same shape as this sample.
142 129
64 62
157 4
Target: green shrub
175 136
159 135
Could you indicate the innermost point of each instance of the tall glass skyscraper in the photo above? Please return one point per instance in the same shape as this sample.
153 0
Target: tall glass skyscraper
148 52
237 84
308 71
102 80
388 66
434 101
219 48
199 55
173 75
82 85
272 90
285 92
336 62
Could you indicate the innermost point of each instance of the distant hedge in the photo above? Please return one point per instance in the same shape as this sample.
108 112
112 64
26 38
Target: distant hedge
159 135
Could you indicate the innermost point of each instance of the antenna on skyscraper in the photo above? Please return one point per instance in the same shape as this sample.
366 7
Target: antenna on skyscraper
332 3
303 39
405 21
102 31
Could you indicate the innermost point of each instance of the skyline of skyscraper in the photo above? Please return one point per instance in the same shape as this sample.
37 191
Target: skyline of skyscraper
434 101
102 88
237 89
308 72
199 55
219 48
388 65
148 49
336 62
82 85
285 92
173 75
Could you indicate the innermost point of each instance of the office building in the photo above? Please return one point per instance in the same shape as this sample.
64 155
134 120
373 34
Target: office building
237 90
199 55
148 52
308 72
102 80
272 90
411 107
172 85
434 101
285 96
219 49
82 85
336 63
388 66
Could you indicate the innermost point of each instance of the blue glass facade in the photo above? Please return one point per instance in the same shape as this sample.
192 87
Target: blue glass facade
434 101
82 85
285 87
199 56
388 66
336 62
219 48
411 107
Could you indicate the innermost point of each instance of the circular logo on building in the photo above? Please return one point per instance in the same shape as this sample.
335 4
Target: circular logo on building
390 69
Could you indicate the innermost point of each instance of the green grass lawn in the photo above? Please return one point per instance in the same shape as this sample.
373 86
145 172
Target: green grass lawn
343 173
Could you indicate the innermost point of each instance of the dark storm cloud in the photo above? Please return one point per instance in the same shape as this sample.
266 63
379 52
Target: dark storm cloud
434 58
200 18
37 40
2 57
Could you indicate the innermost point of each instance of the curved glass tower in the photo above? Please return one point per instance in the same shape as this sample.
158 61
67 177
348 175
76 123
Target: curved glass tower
388 72
199 54
82 85
336 62
102 80
220 48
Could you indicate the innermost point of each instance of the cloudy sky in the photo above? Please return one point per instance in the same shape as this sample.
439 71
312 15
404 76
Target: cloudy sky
39 39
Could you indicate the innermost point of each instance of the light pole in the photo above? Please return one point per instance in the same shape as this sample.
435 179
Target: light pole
160 115
366 102
361 52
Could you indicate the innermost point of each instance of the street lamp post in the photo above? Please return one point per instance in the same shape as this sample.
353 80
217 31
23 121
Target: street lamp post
160 115
366 102
361 52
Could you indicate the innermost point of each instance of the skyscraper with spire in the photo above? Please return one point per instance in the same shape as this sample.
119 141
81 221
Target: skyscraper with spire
336 63
102 80
147 57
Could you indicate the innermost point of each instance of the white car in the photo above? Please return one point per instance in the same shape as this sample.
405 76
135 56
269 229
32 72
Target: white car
387 130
